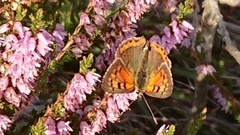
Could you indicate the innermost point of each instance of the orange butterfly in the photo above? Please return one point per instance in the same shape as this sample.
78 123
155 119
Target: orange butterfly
142 66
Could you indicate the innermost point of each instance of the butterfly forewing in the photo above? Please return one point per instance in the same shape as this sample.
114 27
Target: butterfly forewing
118 79
131 53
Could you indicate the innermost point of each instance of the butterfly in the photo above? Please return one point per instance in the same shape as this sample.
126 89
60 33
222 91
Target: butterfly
142 66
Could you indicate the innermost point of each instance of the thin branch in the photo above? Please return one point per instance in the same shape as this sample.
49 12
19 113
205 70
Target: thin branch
230 47
232 3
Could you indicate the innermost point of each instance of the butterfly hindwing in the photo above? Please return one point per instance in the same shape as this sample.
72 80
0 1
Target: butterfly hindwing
118 79
160 84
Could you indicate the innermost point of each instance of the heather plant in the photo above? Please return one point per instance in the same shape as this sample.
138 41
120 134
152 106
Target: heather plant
54 54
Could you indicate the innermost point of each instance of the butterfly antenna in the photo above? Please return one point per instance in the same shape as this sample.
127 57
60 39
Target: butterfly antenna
154 118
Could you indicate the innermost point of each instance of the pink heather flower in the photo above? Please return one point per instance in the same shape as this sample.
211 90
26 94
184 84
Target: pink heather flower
89 108
50 126
92 78
107 55
59 35
168 43
123 100
136 8
12 97
98 20
110 1
24 55
155 38
131 32
124 22
3 84
81 44
186 26
101 6
88 25
43 43
5 123
78 89
9 40
18 26
90 29
100 122
23 87
220 98
151 2
179 34
24 61
186 42
176 31
4 28
86 129
205 69
112 111
167 31
47 36
63 128
100 62
84 19
46 40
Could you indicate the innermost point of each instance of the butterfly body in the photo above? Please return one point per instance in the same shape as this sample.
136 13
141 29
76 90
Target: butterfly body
142 66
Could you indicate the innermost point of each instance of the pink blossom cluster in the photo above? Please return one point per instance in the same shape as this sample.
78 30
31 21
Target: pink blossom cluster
22 56
220 98
5 123
90 22
205 69
121 28
176 33
136 8
76 95
99 120
119 103
57 128
78 90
